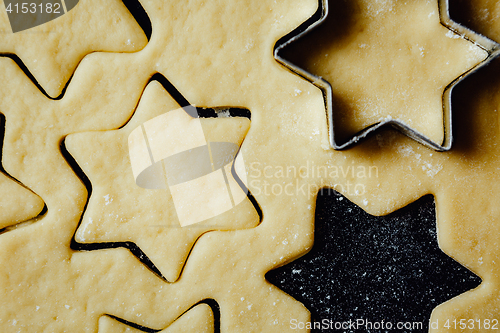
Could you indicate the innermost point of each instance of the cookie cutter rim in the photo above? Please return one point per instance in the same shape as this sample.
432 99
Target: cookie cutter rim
491 47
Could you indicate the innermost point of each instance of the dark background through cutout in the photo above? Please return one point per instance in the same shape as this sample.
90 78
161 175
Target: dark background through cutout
374 268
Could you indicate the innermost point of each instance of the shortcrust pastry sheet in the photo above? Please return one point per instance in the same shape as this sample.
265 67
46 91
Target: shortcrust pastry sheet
162 171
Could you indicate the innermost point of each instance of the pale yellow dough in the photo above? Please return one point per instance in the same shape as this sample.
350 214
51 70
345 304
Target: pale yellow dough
17 204
199 319
52 51
221 54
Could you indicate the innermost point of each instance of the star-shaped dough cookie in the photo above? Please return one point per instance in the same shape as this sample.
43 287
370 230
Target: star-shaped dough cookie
386 61
52 51
119 210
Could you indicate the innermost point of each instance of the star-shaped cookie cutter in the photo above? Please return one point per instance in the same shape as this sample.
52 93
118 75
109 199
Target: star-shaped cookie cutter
491 47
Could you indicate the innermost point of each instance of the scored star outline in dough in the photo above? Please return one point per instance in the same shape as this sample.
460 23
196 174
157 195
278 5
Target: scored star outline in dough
418 50
119 210
52 51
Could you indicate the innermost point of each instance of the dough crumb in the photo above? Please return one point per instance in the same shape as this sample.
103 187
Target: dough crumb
451 34
107 200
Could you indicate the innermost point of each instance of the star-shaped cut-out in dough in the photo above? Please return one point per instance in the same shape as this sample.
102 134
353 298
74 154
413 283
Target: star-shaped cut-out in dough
119 210
387 62
52 51
374 268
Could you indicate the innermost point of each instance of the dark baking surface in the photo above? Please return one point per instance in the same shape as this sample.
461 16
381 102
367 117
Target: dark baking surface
361 266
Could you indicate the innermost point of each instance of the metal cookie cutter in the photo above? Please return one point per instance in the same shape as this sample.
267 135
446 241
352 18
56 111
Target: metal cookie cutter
491 47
